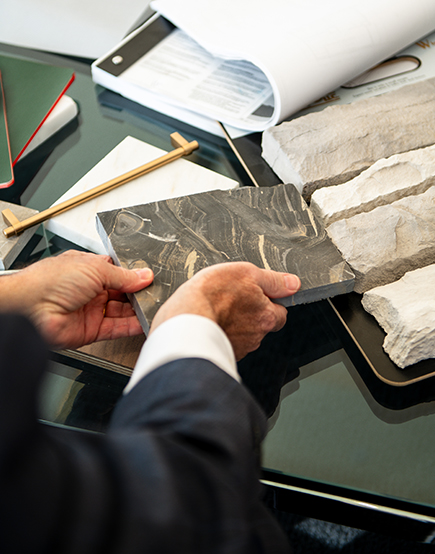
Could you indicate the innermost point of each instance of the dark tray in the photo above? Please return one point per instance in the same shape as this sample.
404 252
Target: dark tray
369 337
359 331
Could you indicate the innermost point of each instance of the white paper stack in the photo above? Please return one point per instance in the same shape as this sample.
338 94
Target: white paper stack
256 63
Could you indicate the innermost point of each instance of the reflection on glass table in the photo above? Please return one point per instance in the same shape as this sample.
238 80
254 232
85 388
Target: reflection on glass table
335 450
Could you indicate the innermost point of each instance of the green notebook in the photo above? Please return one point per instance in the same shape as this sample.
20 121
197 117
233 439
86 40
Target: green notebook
31 90
6 172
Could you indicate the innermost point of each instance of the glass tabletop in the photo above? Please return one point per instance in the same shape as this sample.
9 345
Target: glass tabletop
327 424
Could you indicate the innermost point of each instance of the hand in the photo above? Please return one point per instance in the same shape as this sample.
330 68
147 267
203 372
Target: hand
75 298
237 297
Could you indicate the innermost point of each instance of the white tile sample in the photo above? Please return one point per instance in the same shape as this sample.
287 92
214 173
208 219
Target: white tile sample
178 178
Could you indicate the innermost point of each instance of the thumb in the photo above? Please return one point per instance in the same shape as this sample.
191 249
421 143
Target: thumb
278 285
128 280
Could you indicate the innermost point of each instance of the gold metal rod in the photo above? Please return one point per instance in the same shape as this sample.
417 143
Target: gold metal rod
184 148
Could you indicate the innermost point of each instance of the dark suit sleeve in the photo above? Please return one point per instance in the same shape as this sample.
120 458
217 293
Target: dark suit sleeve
176 472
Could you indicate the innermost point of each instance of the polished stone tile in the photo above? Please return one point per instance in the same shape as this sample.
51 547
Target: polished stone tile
270 227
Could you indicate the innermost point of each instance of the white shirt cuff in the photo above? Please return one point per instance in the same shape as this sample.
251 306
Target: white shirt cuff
185 336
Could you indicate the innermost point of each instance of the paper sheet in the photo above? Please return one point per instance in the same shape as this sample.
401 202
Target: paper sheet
85 28
184 72
308 48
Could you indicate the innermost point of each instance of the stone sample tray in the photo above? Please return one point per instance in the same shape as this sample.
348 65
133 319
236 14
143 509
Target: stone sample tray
388 384
271 227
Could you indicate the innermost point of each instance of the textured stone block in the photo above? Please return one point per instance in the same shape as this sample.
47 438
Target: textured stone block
11 248
382 245
405 310
271 227
334 145
384 182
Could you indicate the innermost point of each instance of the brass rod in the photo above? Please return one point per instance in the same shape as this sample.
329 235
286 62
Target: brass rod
184 148
237 154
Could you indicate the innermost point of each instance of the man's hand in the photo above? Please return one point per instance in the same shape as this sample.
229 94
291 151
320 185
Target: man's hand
237 296
75 298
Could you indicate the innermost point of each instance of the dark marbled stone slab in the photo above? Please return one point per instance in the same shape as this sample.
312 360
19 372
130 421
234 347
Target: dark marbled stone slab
271 227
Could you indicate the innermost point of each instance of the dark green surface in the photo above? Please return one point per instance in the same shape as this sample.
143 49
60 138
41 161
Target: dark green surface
31 90
6 173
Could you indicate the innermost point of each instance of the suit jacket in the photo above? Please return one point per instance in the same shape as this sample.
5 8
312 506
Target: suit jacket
177 471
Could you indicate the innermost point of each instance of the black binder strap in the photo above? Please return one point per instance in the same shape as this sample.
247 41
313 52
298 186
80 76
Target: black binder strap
117 62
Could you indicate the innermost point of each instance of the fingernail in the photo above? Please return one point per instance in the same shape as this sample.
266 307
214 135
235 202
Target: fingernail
144 273
292 282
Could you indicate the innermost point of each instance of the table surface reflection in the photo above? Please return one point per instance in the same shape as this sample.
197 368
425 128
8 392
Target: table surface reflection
328 426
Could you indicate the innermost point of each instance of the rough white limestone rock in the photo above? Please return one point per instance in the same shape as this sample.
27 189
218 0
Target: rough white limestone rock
384 182
334 145
406 311
382 245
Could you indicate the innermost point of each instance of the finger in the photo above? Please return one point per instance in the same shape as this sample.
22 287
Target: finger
278 285
280 317
118 309
116 295
126 280
272 318
116 328
83 256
